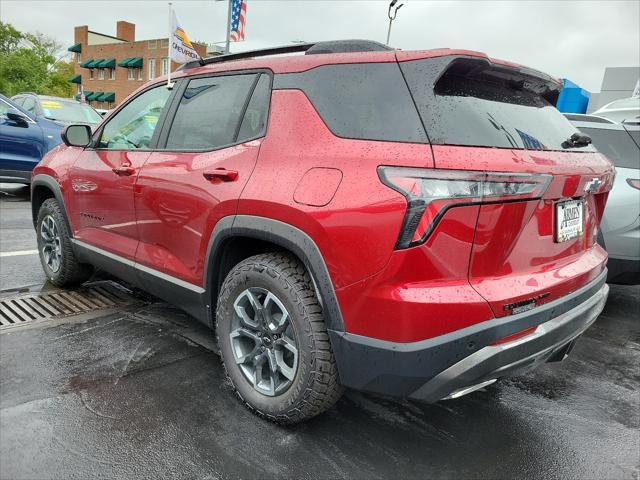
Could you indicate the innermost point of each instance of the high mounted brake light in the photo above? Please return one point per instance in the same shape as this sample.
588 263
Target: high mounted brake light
430 193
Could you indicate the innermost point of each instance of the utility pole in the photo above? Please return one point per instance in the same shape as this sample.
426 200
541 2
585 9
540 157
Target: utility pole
392 17
226 48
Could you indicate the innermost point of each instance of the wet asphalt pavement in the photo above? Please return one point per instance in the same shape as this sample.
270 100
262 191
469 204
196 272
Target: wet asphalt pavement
139 392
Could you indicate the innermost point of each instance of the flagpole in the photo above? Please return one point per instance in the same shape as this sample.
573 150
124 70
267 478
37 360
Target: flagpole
226 49
169 50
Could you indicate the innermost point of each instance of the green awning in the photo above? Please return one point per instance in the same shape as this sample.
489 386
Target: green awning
77 48
134 62
92 96
99 97
106 63
86 63
76 79
107 97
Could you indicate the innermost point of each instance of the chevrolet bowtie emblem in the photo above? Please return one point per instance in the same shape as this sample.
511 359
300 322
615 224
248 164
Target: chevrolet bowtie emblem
593 185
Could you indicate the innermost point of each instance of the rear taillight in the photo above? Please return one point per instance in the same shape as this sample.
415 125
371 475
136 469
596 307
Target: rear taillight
635 183
430 193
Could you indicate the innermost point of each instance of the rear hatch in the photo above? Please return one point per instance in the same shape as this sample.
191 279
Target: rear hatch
483 115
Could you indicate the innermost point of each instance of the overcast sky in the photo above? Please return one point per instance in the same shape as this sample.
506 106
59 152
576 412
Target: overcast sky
570 39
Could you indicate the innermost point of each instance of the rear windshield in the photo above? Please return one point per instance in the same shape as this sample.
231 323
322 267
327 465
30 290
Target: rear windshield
469 104
616 145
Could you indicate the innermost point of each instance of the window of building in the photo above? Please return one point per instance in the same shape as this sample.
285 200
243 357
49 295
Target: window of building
140 73
101 74
133 126
78 57
153 43
209 112
151 68
165 66
112 74
164 43
130 74
90 74
78 89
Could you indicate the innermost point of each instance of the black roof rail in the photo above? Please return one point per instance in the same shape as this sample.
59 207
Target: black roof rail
337 46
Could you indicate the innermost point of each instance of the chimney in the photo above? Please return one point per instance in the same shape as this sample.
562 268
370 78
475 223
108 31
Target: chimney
81 35
126 31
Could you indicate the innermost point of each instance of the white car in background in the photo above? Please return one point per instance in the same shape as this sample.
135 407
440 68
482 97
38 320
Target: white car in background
620 227
625 110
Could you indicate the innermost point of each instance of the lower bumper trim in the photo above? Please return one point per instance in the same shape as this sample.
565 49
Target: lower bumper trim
495 361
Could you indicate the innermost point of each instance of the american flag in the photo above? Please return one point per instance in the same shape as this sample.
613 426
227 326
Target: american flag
238 19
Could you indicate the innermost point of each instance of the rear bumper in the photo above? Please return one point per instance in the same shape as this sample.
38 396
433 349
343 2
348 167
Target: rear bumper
623 271
454 364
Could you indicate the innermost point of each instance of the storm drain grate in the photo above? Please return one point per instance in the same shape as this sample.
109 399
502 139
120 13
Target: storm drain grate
28 307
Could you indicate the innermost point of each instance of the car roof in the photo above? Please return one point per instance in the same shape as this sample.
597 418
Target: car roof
302 57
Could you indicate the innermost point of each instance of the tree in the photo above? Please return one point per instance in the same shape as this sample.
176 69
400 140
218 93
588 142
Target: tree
28 63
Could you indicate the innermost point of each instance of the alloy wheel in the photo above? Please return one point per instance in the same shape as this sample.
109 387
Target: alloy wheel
51 243
263 341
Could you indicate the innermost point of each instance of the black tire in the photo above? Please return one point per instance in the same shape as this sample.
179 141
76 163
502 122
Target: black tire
315 386
70 272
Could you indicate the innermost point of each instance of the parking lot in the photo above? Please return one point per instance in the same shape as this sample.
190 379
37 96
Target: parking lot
138 390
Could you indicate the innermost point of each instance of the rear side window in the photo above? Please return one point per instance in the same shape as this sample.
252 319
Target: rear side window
209 112
29 105
254 123
616 145
471 102
368 101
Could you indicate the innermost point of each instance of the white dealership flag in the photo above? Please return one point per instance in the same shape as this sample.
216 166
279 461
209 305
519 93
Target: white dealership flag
180 48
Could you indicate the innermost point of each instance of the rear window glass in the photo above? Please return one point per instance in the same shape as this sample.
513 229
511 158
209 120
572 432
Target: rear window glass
473 106
616 145
368 101
209 112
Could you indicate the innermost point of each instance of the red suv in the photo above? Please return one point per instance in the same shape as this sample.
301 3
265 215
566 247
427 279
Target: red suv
408 223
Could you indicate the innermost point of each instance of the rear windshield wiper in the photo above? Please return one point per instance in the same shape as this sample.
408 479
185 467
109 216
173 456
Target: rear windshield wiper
577 140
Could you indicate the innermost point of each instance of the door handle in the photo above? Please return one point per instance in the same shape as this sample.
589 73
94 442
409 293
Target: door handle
222 174
124 170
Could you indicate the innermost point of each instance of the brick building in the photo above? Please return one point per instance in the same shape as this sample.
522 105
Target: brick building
109 68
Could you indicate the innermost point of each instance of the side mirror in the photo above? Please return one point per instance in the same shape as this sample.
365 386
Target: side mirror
77 135
19 119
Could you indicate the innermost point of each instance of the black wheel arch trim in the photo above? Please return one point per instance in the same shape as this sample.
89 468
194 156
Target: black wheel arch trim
42 180
284 235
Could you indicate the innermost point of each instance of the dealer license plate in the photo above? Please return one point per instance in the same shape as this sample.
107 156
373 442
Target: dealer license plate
569 222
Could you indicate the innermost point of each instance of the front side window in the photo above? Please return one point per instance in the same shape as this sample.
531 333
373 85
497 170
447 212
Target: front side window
133 126
165 66
140 74
112 74
151 68
130 74
209 112
90 74
153 43
101 74
78 57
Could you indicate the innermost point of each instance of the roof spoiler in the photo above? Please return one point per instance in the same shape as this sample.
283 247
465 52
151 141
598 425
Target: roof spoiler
336 46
